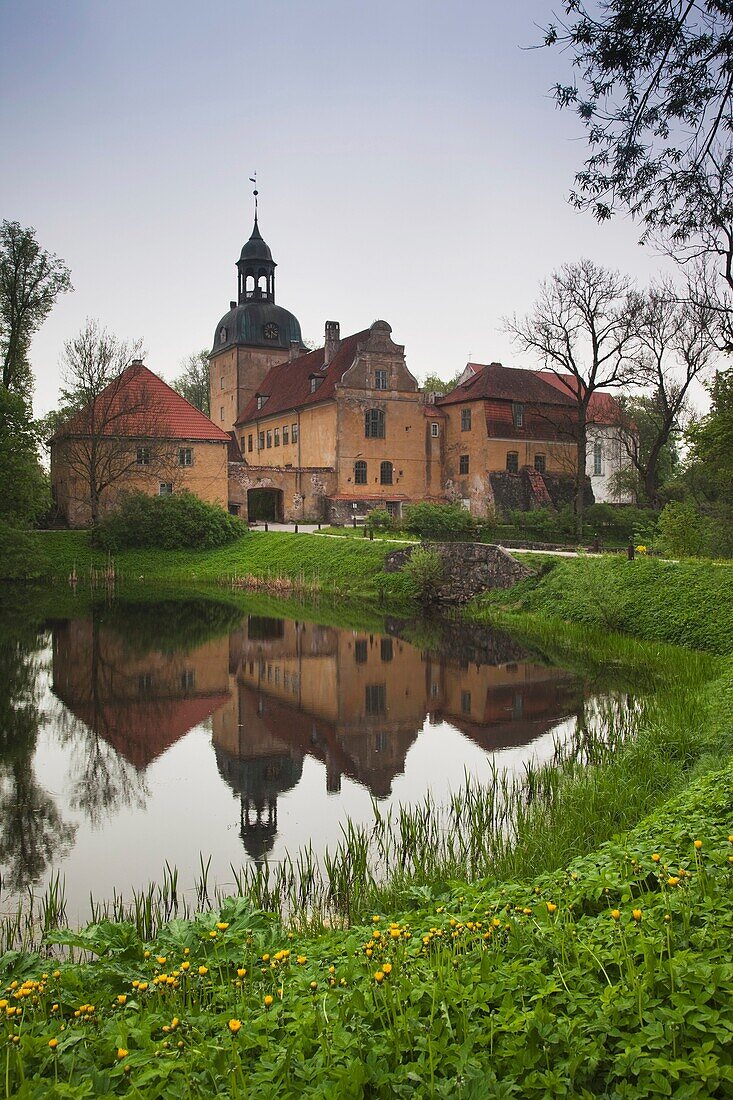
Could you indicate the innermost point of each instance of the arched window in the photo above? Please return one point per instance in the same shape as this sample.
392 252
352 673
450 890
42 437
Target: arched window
360 472
598 458
374 424
223 334
385 473
249 284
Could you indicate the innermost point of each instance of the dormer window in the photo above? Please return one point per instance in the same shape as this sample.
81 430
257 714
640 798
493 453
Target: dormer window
518 415
260 399
223 334
315 382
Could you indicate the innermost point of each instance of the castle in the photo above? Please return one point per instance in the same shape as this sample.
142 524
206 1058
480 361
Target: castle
329 434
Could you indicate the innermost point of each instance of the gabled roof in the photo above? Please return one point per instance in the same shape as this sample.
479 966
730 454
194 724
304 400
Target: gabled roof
139 404
288 385
603 408
496 382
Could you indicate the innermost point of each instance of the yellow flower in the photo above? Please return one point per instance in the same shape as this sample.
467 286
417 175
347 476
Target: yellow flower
387 968
314 986
377 934
301 960
656 857
394 933
203 970
551 907
265 958
143 986
234 1026
213 933
185 965
636 914
161 959
174 1023
53 1043
376 919
222 925
57 973
379 977
146 954
54 1008
672 880
698 844
269 1000
121 1052
121 998
241 972
616 914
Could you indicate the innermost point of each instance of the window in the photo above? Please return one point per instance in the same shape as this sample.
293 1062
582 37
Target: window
277 437
286 436
512 462
465 420
380 380
221 412
294 433
385 473
166 489
597 458
223 334
374 424
188 679
360 651
376 699
261 441
435 430
385 649
185 456
518 415
465 702
360 472
394 507
143 456
269 438
249 442
144 682
463 464
539 463
314 384
221 382
261 398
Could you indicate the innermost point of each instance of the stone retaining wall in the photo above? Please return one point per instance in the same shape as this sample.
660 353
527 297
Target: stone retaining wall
469 568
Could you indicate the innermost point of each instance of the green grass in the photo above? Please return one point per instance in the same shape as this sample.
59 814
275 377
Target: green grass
344 568
610 977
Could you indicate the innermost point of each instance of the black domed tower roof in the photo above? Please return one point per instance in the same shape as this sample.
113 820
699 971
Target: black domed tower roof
255 320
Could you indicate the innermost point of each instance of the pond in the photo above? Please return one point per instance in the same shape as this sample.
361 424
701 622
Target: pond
143 733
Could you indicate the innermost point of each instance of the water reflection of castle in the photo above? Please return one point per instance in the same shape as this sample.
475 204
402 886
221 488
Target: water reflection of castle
280 690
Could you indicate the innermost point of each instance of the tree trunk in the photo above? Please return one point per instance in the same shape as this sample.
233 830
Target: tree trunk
580 472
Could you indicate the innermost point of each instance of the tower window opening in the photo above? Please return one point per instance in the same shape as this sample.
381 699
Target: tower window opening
374 424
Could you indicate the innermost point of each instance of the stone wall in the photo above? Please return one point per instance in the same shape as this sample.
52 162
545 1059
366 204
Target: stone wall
304 490
469 568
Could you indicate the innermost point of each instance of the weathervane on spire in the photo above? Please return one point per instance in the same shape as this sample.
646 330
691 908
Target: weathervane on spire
253 179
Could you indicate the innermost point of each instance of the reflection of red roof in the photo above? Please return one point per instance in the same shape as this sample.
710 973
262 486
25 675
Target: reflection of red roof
603 408
288 385
142 731
137 404
497 382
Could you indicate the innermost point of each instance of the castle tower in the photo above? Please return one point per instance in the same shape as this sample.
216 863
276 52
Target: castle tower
252 337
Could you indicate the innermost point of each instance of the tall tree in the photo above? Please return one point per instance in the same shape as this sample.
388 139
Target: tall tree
117 425
654 90
582 328
25 494
30 282
193 381
675 348
432 383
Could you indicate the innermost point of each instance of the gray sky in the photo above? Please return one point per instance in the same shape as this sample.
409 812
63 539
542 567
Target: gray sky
411 166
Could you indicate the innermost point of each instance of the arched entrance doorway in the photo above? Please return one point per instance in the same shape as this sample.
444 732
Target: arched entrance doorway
265 504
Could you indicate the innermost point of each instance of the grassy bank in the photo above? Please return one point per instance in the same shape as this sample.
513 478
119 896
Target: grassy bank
342 568
612 977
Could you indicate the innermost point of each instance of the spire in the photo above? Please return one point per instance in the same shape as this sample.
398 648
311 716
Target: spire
256 266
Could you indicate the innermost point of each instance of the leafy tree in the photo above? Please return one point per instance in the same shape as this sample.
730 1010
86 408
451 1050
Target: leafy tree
431 383
25 496
30 282
193 381
582 328
654 91
643 414
709 473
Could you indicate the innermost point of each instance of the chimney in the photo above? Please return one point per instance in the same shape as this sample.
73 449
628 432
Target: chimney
137 363
294 350
333 340
232 305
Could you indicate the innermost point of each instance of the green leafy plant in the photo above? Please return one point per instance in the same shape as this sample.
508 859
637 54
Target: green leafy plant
379 519
441 522
425 571
177 522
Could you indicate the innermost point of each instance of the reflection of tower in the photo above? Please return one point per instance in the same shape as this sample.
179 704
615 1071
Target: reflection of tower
258 780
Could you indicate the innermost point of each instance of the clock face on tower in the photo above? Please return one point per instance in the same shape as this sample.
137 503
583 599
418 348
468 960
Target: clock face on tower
271 331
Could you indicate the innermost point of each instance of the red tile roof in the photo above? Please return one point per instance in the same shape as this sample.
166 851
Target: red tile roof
288 385
138 404
505 384
603 408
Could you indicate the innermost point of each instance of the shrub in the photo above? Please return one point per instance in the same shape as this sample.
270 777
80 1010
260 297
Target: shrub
178 522
682 530
425 570
441 522
379 519
20 558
